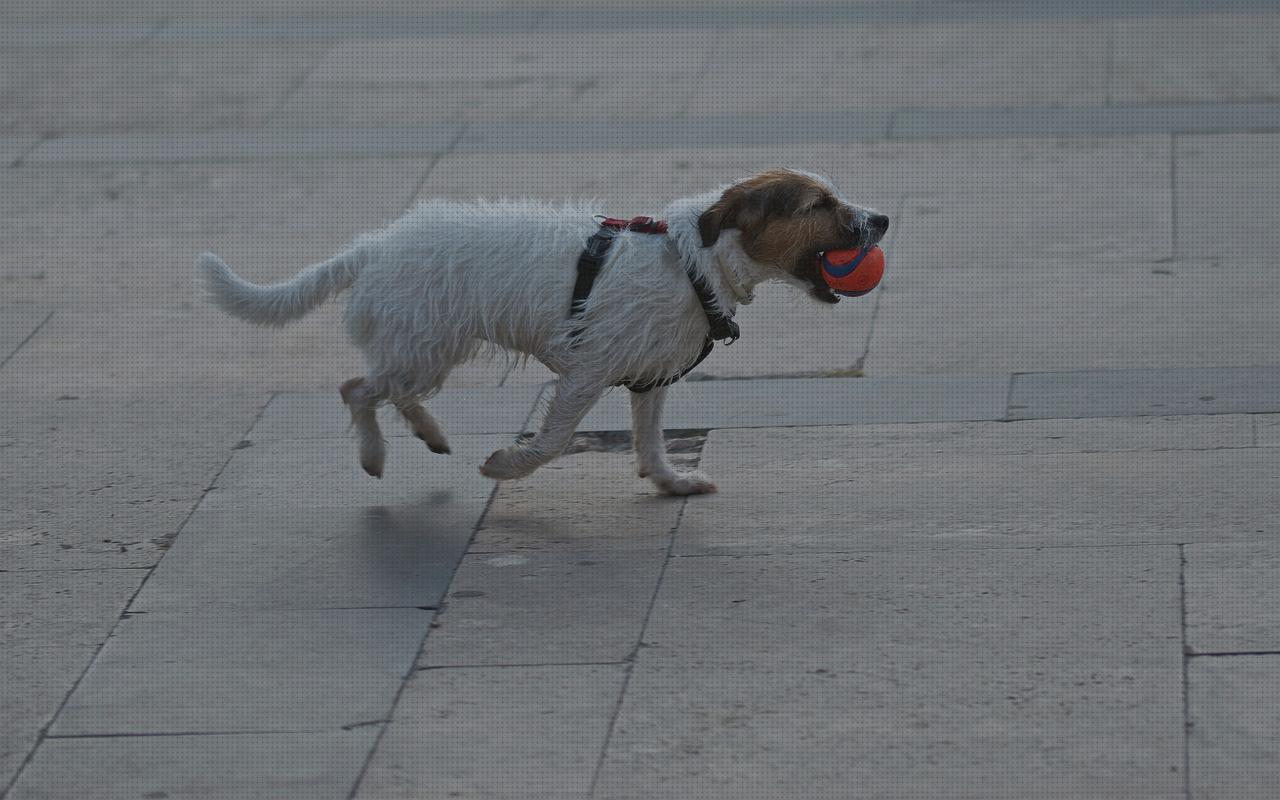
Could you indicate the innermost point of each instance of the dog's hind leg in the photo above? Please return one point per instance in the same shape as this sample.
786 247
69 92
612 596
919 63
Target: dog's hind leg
424 426
361 397
572 401
651 449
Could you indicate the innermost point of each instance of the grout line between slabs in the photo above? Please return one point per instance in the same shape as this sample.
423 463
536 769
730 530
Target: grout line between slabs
293 88
1186 704
1174 245
634 656
704 69
124 614
161 734
1110 68
29 149
530 665
893 549
436 158
26 339
1008 399
801 13
666 134
413 667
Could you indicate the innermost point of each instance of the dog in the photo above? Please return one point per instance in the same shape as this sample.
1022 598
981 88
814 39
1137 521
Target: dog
448 280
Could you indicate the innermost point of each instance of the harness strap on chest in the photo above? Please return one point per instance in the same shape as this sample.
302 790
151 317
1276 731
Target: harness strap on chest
721 325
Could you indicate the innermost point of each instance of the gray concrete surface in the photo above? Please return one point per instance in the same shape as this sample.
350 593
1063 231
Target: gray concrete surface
1232 716
270 765
1004 528
762 674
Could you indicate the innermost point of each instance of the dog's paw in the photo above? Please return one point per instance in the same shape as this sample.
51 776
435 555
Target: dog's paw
504 465
684 483
373 456
434 445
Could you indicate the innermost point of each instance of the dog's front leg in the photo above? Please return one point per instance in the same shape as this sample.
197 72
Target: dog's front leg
573 399
651 449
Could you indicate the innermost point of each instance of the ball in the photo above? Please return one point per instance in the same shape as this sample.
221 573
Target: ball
853 273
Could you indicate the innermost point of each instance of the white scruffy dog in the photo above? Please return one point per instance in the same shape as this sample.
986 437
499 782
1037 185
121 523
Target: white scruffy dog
435 287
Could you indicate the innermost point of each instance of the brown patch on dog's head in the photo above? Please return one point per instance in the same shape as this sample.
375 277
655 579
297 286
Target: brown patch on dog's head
785 219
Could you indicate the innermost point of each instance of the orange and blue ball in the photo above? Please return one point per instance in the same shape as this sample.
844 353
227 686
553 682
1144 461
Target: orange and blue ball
853 273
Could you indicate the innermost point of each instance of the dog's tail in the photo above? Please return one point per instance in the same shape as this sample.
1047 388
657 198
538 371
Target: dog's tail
277 303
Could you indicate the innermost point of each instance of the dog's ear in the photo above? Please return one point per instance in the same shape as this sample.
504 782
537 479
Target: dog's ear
715 219
739 207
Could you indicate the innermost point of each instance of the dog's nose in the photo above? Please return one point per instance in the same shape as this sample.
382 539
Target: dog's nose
878 224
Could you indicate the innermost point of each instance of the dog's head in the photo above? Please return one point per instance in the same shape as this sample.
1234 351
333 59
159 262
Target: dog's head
785 219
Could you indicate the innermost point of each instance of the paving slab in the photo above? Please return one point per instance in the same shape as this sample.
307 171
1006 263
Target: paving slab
922 440
263 672
1121 216
833 497
327 20
36 681
979 320
1234 709
239 145
781 402
1089 121
62 609
17 325
1267 429
1179 58
296 558
387 18
306 415
588 96
584 501
659 51
89 348
156 86
326 473
643 179
767 676
83 275
105 480
329 201
32 26
85 350
625 181
496 732
282 765
706 131
13 146
51 623
790 333
1226 198
895 174
545 608
53 68
1130 392
1232 599
967 64
860 15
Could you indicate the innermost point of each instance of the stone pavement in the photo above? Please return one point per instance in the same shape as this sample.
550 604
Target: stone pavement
1005 528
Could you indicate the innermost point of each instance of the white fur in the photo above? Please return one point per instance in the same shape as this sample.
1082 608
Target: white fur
448 279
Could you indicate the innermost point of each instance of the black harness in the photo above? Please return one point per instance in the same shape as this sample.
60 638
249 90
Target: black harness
721 326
